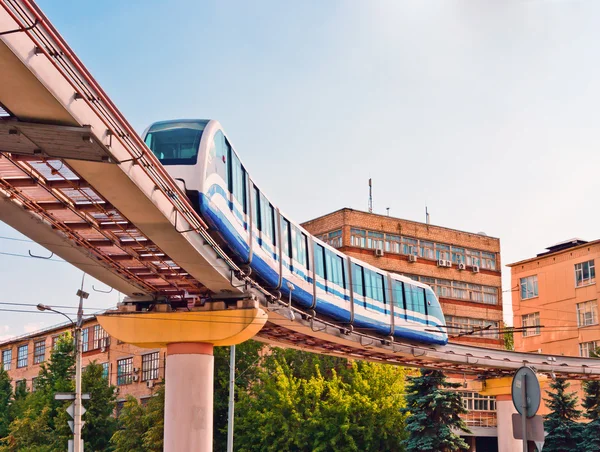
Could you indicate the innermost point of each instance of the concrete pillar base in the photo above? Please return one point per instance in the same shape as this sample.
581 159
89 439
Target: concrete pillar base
189 397
504 412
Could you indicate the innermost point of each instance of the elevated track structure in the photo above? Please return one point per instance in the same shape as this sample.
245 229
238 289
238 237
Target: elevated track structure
76 178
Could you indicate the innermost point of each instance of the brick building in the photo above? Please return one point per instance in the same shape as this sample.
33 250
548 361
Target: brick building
463 268
131 369
555 295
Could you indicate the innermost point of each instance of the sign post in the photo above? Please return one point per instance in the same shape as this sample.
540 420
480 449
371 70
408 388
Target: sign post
526 397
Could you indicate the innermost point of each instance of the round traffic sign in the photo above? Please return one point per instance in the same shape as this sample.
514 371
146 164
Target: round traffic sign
526 380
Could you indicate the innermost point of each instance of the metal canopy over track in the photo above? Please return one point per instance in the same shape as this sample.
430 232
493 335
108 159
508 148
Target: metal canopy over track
76 178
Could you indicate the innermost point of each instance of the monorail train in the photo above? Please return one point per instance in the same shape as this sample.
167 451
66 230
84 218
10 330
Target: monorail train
283 255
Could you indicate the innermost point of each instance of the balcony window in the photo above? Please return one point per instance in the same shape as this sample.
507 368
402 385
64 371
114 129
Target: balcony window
531 320
458 255
587 313
375 240
588 349
585 273
529 287
442 251
410 246
392 243
426 250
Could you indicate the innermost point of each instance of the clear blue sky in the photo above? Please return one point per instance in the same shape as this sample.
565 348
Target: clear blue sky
484 111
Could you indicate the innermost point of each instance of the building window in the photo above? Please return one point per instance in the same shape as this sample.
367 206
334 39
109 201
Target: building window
100 338
375 240
488 260
442 252
529 287
585 273
459 290
410 246
7 359
124 371
588 349
392 243
21 385
39 351
468 326
333 238
358 237
105 369
473 258
22 352
458 255
426 250
473 401
587 313
150 366
34 384
531 320
85 339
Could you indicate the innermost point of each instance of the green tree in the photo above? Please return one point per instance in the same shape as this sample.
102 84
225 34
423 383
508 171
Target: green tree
433 412
289 407
247 362
591 404
154 421
131 428
38 422
564 433
6 396
100 423
140 428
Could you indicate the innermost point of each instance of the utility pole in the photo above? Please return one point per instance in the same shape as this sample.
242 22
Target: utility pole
231 399
77 412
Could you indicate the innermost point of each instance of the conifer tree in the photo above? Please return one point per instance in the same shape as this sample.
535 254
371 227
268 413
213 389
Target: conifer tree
433 412
564 433
591 403
100 423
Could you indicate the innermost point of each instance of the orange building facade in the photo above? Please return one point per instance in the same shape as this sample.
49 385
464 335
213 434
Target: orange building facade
555 297
134 371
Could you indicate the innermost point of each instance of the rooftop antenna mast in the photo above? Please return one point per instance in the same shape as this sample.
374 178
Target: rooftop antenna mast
370 196
427 221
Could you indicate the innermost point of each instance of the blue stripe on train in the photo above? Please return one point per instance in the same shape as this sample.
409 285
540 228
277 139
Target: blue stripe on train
240 248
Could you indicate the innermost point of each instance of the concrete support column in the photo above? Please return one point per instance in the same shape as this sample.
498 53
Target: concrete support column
189 397
504 412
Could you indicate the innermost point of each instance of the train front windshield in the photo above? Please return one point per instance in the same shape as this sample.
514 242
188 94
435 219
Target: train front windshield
175 142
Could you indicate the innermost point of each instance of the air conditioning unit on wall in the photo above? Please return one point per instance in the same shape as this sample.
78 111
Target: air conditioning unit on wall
444 263
475 268
462 266
378 252
150 383
412 258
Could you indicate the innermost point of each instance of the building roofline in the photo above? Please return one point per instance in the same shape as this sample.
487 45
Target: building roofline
50 329
400 219
553 254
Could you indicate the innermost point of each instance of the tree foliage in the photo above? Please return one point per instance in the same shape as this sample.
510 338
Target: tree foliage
433 412
591 404
298 403
140 427
38 422
564 433
6 396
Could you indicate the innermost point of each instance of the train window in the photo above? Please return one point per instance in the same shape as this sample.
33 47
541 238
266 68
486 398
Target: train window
238 180
357 280
256 218
266 220
176 143
399 302
285 237
415 298
374 285
299 248
319 261
335 268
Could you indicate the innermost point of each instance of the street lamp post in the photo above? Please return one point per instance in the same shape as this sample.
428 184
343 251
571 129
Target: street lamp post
77 411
